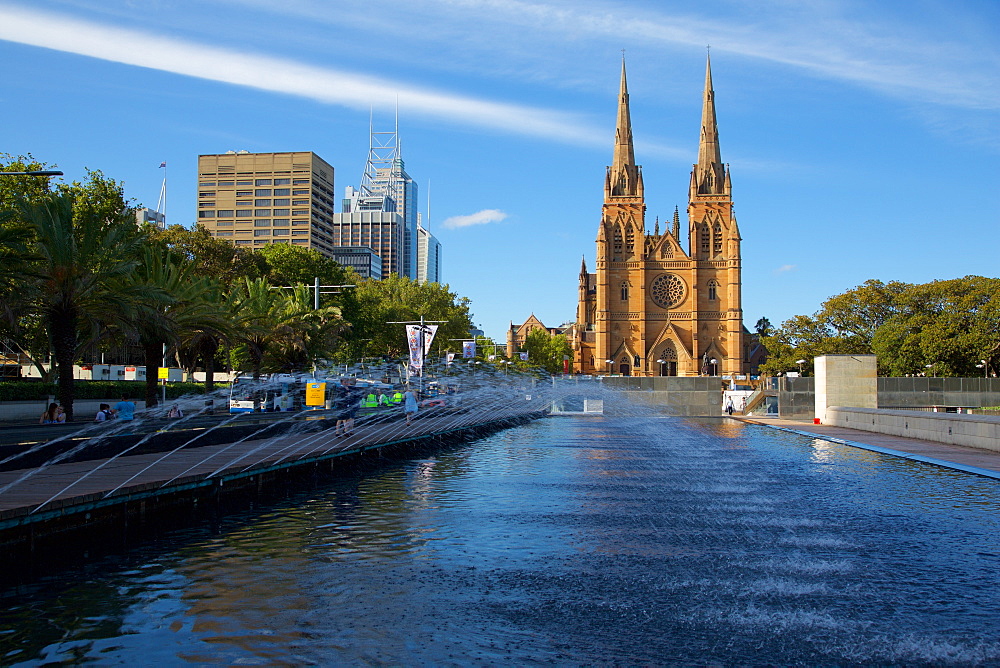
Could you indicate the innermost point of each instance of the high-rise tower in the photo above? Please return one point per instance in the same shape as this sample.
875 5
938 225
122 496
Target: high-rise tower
652 308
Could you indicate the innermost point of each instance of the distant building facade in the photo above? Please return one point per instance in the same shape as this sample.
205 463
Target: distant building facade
149 216
656 306
255 199
428 256
518 334
364 261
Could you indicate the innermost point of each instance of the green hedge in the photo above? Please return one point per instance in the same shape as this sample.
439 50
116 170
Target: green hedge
93 389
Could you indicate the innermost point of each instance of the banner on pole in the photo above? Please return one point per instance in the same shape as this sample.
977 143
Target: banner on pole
413 342
468 349
524 357
450 357
429 332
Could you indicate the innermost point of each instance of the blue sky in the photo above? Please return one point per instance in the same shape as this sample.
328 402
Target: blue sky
863 137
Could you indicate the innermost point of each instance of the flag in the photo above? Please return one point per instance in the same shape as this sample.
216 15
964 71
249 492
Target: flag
450 357
413 342
524 357
468 349
163 164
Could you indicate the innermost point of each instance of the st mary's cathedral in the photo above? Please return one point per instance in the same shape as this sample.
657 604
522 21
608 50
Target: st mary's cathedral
656 306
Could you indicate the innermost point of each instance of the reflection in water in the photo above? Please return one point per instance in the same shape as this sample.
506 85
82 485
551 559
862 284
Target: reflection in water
570 540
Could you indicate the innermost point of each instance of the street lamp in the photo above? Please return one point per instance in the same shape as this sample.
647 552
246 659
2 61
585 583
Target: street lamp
929 366
661 363
611 368
800 363
982 365
715 367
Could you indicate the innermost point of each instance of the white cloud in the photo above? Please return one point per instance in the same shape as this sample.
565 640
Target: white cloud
327 85
785 268
483 217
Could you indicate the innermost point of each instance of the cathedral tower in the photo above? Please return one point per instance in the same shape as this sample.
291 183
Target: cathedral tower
652 308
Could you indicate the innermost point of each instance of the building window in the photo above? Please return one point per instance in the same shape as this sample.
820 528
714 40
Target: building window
282 192
224 223
221 233
206 214
667 251
244 183
629 242
624 291
262 212
242 241
617 247
298 191
300 241
300 212
244 193
300 182
281 221
713 286
262 182
296 233
281 212
225 213
262 233
262 202
282 182
705 238
282 202
262 192
300 222
206 183
717 239
225 183
264 222
244 213
281 233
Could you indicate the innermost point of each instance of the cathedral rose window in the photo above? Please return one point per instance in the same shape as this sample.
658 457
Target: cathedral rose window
667 291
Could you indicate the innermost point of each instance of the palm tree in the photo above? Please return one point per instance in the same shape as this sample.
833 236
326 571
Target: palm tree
81 258
257 305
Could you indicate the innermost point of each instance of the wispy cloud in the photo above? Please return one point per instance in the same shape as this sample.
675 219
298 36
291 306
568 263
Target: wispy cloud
326 85
948 60
483 217
785 268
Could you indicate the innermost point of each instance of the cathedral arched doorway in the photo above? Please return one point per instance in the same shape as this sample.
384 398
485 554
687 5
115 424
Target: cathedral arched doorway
625 368
668 361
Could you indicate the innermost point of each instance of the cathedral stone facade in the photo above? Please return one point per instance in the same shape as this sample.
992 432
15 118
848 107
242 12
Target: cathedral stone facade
656 306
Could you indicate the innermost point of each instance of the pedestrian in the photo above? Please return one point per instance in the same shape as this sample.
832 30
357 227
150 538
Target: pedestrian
409 405
729 405
104 414
175 412
54 414
125 409
347 403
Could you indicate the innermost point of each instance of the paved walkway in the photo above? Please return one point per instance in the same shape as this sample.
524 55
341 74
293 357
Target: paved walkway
962 458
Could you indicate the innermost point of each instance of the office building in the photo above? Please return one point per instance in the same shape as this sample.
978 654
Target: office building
146 215
365 261
428 256
254 199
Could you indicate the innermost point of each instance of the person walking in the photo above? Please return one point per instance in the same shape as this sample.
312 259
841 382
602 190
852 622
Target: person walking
409 405
105 414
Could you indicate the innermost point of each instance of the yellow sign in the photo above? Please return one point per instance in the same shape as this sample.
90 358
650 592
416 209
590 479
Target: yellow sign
315 394
163 373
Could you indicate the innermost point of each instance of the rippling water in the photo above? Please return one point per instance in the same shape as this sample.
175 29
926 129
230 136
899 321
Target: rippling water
566 541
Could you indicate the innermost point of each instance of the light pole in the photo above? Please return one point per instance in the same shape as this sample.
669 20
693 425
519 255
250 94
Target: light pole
929 366
800 363
661 363
982 365
715 366
611 368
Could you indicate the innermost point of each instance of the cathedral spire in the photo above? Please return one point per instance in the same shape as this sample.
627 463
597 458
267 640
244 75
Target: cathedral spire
710 173
624 177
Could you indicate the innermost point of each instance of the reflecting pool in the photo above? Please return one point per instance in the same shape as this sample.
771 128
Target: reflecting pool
573 541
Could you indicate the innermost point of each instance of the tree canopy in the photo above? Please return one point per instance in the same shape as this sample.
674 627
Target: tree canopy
945 327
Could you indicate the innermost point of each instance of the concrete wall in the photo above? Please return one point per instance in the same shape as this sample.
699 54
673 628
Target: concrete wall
977 431
30 411
796 397
845 380
905 392
672 395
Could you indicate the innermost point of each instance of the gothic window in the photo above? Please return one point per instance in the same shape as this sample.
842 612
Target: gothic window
713 290
706 239
667 291
717 239
617 247
624 291
667 251
629 242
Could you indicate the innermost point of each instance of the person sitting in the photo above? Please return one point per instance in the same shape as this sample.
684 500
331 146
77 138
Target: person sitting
175 412
54 414
104 414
